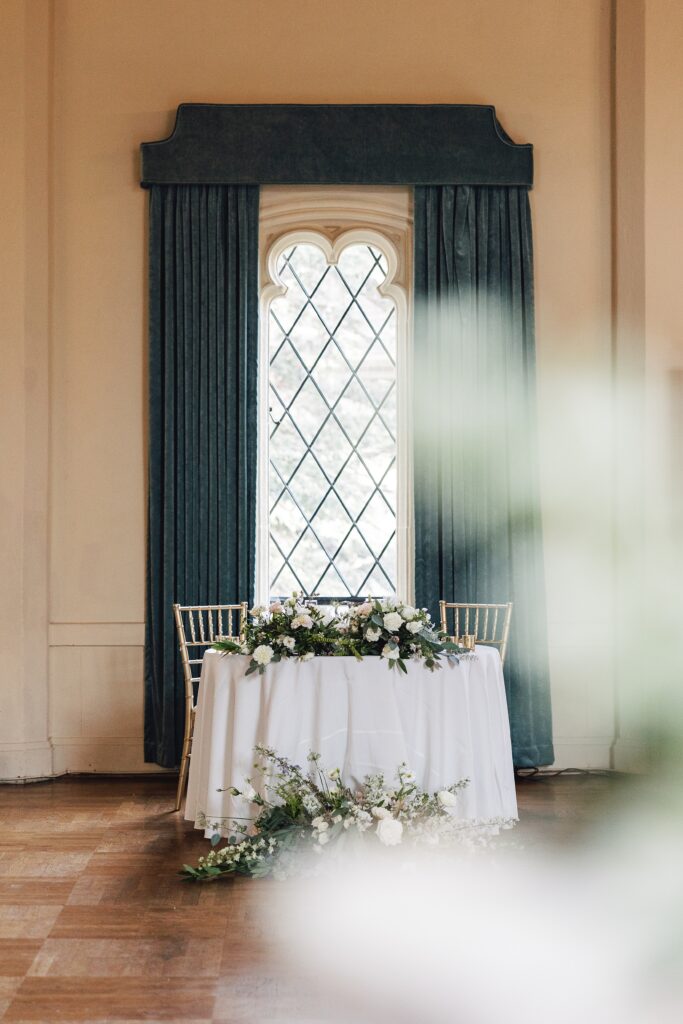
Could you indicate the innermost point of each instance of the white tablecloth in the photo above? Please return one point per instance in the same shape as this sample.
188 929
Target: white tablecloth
361 717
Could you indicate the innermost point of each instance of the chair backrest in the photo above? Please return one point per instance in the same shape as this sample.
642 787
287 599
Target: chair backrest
490 623
198 626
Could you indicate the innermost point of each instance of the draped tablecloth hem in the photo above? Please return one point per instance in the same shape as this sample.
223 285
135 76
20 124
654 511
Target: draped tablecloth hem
361 718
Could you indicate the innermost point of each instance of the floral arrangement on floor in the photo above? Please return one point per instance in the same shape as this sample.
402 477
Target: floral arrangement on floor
296 628
298 812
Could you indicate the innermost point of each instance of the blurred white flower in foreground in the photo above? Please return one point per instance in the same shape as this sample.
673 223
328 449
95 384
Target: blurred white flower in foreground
515 936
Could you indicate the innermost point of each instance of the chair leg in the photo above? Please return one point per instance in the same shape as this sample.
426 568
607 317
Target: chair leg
184 763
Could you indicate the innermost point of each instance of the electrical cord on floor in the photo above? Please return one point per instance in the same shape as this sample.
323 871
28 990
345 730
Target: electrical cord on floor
552 773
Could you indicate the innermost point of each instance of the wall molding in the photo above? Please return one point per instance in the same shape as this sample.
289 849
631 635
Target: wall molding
96 634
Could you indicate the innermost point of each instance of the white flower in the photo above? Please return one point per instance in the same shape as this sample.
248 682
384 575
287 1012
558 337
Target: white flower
408 776
257 611
408 612
249 794
393 622
287 641
414 626
323 838
391 653
446 799
307 656
333 774
263 654
372 634
364 609
380 812
302 620
337 818
320 824
390 831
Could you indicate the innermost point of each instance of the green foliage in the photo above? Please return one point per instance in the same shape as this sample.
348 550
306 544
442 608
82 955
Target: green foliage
309 810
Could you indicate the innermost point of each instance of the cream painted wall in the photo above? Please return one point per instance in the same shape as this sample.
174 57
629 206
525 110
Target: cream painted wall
24 305
117 69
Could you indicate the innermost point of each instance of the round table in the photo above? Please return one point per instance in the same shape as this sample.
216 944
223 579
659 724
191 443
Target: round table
362 718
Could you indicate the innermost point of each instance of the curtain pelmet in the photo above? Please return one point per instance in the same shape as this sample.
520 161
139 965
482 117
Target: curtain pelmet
203 355
477 505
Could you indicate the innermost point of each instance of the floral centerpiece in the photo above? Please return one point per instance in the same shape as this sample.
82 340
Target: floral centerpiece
295 812
396 632
297 628
293 628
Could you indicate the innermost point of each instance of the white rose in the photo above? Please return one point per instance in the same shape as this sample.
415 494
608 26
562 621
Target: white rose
287 641
390 831
263 654
391 653
408 612
446 798
380 812
323 838
307 656
257 611
372 634
319 823
393 622
414 627
302 620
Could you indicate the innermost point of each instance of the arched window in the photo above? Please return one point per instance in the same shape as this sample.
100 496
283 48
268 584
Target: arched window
334 511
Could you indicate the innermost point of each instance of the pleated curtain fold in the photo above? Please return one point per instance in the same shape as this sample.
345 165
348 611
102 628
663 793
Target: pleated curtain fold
477 506
203 364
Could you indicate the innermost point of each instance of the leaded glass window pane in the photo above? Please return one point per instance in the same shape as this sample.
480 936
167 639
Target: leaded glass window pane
332 397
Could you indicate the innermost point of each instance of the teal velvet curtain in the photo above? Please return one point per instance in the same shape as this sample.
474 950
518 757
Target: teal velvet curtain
477 510
203 349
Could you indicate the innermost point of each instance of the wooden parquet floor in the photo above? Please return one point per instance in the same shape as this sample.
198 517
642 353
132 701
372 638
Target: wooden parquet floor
95 924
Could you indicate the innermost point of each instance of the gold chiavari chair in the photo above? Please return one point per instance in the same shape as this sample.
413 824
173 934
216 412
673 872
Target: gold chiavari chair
490 623
198 626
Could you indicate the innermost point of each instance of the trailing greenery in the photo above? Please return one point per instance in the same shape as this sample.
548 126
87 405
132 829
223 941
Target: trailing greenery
296 811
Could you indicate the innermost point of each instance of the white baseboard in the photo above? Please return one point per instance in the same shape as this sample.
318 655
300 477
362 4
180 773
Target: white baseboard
122 755
630 755
581 752
34 761
25 762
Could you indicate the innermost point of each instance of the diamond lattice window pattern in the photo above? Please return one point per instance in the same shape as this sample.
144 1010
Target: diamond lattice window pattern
332 376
